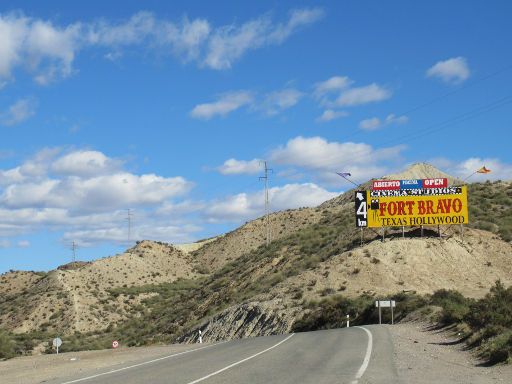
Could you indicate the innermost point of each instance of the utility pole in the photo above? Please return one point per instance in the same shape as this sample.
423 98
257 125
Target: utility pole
74 246
129 219
267 209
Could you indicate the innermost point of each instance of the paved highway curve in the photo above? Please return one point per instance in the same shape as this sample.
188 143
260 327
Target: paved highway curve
349 355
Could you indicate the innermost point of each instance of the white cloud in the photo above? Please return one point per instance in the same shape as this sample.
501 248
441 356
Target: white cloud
338 91
392 119
370 124
83 181
465 168
454 70
225 104
167 233
18 112
278 101
227 44
363 95
47 50
86 193
374 123
95 194
84 163
23 244
335 83
318 153
245 206
330 114
270 104
322 158
237 167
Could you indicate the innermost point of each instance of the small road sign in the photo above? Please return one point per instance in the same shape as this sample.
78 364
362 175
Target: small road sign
385 303
115 344
57 342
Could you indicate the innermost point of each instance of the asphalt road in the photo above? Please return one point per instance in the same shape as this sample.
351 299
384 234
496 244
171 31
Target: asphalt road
354 355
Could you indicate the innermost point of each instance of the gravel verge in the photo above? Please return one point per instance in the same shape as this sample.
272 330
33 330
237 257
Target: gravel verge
424 354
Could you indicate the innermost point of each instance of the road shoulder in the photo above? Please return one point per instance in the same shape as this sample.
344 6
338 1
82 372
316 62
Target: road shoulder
425 355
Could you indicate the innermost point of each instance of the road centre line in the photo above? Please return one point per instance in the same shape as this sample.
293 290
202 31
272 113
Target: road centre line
367 356
141 364
239 362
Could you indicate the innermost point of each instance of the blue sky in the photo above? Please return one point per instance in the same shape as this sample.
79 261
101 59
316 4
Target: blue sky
168 109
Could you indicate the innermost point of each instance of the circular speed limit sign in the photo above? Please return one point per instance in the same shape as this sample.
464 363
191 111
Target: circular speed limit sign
115 344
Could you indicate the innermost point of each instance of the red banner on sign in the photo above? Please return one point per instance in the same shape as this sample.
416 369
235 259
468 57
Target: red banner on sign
435 183
385 185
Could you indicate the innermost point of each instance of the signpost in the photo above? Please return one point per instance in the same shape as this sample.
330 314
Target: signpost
57 342
411 207
386 304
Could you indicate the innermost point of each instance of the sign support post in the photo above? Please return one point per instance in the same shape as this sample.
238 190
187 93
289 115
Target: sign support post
380 312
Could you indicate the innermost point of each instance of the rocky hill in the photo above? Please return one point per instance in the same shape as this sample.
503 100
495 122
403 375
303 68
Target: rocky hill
235 286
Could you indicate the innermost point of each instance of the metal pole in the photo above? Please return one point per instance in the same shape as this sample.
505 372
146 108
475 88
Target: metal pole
383 233
421 226
361 236
392 315
462 233
267 209
439 230
403 232
380 312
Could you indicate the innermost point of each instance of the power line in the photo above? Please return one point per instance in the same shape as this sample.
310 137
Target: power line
267 207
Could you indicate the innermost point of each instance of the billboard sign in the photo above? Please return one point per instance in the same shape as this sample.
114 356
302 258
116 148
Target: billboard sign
415 207
411 184
441 182
393 185
384 185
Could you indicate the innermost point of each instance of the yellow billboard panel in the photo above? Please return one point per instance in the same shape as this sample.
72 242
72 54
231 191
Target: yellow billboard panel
444 206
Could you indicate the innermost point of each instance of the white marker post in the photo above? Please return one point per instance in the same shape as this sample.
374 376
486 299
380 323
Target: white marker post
200 337
348 321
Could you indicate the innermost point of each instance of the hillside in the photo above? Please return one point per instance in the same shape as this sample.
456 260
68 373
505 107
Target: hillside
235 286
76 297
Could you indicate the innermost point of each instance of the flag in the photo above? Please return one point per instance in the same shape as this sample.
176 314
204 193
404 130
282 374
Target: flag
483 170
344 174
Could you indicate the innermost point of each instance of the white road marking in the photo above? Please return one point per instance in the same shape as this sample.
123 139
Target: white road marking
367 356
140 364
239 362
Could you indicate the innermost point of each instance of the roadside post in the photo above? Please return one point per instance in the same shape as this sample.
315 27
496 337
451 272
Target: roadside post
348 321
57 342
200 337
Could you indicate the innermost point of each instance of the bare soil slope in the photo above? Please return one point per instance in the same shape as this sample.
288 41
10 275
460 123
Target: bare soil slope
78 299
